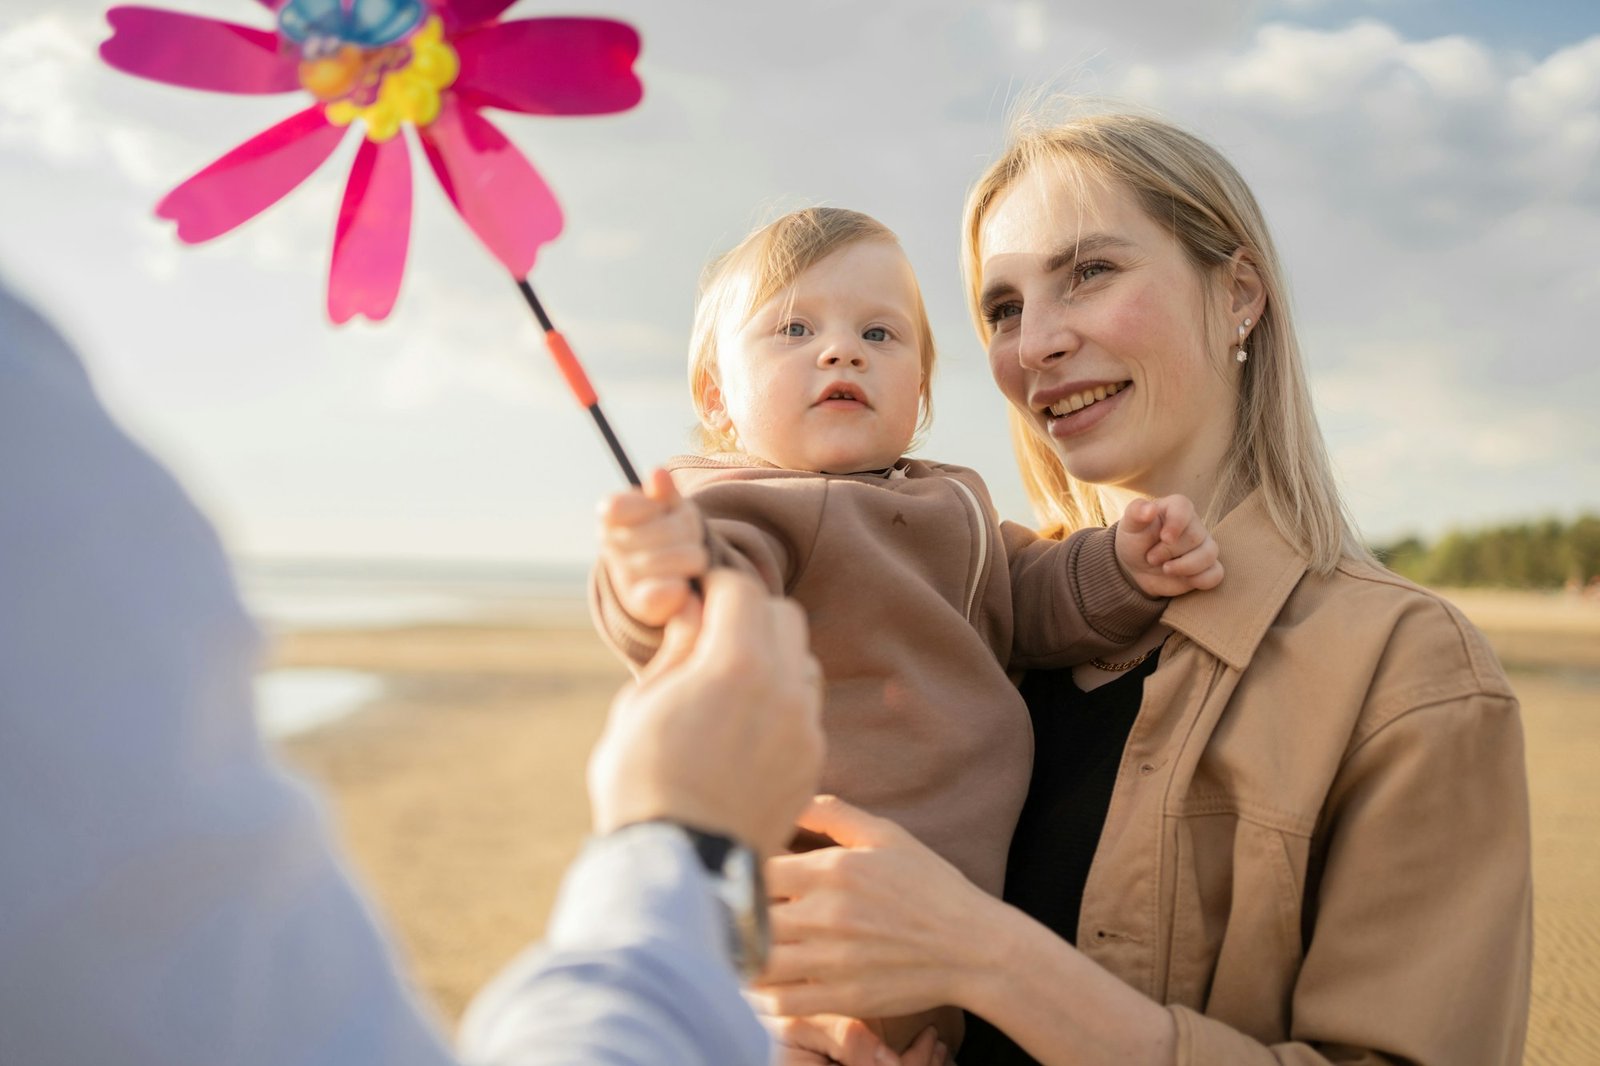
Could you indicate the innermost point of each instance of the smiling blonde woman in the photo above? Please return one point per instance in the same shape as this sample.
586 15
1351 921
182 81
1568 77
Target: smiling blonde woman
1293 827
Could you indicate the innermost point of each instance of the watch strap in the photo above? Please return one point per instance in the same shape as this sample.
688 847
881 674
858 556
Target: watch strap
749 936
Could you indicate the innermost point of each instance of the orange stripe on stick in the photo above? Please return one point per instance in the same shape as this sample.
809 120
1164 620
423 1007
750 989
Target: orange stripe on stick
571 369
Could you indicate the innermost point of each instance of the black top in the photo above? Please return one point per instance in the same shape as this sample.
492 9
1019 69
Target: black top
1078 738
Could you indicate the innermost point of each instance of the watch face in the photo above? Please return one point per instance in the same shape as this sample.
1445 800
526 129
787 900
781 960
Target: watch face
745 896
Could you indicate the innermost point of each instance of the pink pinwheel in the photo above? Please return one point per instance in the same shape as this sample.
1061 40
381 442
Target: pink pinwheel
430 64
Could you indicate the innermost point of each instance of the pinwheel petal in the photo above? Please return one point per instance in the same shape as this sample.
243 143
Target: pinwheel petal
550 66
251 178
369 247
464 14
197 52
496 190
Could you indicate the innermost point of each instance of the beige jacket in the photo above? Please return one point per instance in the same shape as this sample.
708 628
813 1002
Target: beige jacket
1318 845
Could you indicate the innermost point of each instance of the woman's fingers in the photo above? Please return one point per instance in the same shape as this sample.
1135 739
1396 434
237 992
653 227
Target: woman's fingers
926 1050
812 997
834 1037
807 961
851 826
793 1056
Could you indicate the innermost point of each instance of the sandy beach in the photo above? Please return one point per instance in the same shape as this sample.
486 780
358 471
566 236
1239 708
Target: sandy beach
459 791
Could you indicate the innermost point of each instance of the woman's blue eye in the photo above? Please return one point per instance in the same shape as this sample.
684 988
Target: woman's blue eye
995 312
1088 271
876 334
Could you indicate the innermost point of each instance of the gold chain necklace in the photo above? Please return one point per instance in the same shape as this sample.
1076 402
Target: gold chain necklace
1126 664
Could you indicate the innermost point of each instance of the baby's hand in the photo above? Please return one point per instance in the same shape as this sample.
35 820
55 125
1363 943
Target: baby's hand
1165 548
651 543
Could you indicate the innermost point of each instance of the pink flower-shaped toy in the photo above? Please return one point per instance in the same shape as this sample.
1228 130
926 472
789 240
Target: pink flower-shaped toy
430 64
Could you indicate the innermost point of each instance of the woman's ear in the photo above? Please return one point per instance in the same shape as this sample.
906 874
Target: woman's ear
1247 295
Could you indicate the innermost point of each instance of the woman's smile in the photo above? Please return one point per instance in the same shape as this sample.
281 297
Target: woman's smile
1078 409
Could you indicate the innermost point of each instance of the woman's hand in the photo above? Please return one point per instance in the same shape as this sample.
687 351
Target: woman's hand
881 927
878 927
821 1039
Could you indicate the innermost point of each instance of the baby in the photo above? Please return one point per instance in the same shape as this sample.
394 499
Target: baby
810 368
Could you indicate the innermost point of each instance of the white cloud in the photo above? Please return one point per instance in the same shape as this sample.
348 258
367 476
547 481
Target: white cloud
1433 137
1412 402
1436 201
62 105
1438 206
43 62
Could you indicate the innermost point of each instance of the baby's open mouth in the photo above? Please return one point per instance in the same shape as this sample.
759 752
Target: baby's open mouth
845 393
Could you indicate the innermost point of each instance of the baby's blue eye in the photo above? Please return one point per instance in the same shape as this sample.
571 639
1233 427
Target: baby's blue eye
876 333
792 329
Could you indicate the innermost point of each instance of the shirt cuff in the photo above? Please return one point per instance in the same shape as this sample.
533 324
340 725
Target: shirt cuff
635 640
1111 604
635 969
643 882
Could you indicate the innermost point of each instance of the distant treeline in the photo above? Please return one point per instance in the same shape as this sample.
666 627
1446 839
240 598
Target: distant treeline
1533 555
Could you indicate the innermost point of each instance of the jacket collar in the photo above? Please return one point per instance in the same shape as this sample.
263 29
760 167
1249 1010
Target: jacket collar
1261 570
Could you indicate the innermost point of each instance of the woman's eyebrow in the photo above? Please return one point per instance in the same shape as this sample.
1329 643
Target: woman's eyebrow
1088 244
1066 256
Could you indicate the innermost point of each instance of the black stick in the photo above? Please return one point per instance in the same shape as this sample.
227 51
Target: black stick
577 380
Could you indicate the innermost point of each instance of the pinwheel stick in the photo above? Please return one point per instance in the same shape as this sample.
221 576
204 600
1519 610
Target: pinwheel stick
577 380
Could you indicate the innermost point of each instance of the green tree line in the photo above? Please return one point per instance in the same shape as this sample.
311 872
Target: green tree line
1530 555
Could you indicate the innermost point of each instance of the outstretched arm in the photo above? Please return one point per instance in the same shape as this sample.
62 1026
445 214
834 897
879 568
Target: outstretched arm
654 541
1071 600
1097 591
723 733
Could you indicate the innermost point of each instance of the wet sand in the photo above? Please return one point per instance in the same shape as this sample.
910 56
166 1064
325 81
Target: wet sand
459 793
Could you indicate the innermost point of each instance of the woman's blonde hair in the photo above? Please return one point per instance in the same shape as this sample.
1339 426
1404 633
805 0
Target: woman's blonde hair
764 264
1187 186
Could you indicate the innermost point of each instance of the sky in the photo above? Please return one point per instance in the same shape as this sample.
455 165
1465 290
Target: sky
1431 170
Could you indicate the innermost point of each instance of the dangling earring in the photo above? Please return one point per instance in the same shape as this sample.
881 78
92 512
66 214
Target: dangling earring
1241 354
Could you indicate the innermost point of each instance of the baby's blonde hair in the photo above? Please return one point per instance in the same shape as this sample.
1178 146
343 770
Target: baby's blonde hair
1191 190
760 267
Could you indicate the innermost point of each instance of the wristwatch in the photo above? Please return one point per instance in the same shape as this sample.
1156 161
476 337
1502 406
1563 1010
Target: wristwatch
734 872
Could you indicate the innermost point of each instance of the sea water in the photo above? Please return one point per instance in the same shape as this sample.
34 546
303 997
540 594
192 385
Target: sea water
298 595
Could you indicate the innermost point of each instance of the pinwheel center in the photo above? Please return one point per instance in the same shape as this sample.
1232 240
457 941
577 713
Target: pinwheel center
384 86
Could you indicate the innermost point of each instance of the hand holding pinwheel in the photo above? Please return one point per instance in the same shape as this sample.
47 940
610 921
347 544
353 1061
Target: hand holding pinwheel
430 64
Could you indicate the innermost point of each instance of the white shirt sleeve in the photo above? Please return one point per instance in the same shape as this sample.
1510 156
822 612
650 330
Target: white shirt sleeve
167 894
634 970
